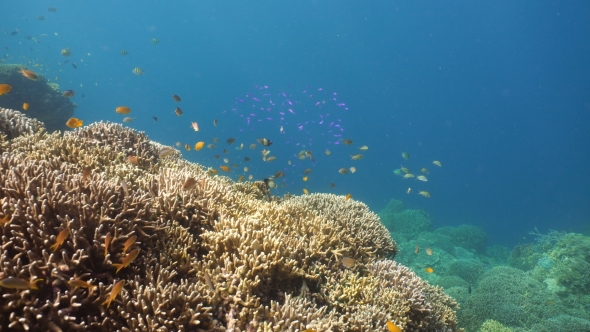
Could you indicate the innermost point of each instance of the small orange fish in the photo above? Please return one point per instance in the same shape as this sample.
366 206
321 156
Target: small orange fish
81 283
189 184
123 110
429 251
417 249
199 145
195 126
74 123
18 283
5 88
5 220
176 97
225 168
178 111
305 191
116 289
86 172
241 178
429 270
127 260
133 160
391 327
347 262
130 241
348 196
61 237
29 74
107 241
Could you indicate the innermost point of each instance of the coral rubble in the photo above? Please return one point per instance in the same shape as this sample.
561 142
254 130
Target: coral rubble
222 256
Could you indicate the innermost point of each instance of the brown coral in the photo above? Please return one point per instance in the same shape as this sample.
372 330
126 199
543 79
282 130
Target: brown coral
222 256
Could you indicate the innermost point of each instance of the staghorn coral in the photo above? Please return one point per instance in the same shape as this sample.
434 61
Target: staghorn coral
219 257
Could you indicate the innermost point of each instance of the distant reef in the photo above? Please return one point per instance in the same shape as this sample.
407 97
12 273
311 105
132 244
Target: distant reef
540 286
45 100
98 233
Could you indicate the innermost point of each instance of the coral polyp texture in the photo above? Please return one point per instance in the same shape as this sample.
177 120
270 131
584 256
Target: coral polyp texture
216 256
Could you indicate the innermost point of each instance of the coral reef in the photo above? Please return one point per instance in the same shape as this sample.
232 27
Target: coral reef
400 220
491 325
46 102
466 236
217 257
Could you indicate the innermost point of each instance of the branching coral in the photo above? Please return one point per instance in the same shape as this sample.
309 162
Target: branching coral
220 256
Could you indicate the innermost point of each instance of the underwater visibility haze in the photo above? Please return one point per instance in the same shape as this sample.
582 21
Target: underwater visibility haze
472 117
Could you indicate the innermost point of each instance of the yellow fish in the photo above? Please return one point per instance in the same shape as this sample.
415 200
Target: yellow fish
127 260
116 289
130 241
391 327
18 283
199 146
61 237
81 283
305 178
305 191
25 106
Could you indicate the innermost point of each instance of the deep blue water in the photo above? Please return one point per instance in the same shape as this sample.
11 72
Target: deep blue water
499 92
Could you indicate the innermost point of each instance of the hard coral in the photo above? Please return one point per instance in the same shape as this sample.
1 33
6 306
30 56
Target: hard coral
399 220
221 256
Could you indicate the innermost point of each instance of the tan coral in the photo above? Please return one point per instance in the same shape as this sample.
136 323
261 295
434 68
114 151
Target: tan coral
220 256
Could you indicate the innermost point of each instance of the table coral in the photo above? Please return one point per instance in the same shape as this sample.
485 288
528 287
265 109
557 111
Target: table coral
222 256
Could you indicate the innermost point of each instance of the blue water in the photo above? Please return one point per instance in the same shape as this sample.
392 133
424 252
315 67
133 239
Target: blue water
498 92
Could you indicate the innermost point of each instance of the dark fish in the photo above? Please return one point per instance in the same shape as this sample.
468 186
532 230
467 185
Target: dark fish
176 98
28 37
246 158
74 65
230 140
155 118
178 111
52 9
66 61
40 18
14 33
264 141
69 93
469 289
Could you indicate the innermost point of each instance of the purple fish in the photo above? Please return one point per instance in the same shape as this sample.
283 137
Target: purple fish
290 110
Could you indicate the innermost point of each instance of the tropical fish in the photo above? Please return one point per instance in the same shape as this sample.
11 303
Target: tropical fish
114 292
230 140
81 283
307 171
176 98
421 178
155 41
178 111
424 170
241 178
327 152
429 251
40 18
270 183
347 142
417 249
305 178
5 88
166 152
195 126
187 147
264 141
364 148
308 153
429 270
424 193
391 327
405 155
68 93
29 74
123 110
189 184
356 157
211 146
138 71
352 169
437 163
199 145
343 171
107 240
61 237
123 52
271 158
252 146
225 168
409 176
133 160
332 185
5 220
405 170
127 260
25 106
18 283
397 172
305 191
348 196
215 122
130 241
409 191
347 262
52 9
127 119
66 52
279 174
225 160
212 172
